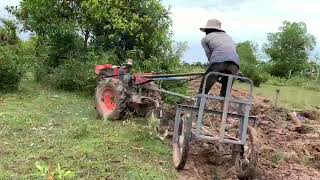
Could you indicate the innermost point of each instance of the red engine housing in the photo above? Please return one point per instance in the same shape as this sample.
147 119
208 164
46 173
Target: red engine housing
119 72
110 70
100 68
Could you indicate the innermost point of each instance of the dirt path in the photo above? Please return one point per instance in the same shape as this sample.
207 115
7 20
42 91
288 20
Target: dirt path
288 149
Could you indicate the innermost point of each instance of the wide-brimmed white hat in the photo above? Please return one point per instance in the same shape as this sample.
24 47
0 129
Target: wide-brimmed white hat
212 24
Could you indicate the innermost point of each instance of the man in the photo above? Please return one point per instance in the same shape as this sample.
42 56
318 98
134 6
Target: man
221 53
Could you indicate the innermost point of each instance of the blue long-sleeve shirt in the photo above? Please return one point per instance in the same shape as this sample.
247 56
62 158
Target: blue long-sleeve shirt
219 47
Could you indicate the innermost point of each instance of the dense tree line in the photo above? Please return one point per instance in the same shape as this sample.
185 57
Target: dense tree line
73 36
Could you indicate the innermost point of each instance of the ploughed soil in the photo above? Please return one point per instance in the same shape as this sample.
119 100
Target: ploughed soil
289 144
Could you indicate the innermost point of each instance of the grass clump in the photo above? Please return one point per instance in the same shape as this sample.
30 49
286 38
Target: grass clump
277 157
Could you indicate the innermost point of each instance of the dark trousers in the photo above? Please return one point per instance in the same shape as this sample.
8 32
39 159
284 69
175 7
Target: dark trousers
226 68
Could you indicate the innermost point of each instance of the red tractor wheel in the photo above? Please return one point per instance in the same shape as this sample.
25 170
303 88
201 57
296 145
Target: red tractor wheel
110 99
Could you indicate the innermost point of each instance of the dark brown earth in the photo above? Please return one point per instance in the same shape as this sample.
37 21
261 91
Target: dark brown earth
289 146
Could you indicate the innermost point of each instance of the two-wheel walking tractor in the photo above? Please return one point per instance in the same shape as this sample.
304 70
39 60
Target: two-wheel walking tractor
119 93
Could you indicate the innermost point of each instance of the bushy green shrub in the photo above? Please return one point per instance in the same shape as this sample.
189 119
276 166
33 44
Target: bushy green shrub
10 73
12 56
168 62
277 81
255 73
73 74
249 64
77 73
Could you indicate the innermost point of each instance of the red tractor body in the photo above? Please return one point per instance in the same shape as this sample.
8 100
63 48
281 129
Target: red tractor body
119 92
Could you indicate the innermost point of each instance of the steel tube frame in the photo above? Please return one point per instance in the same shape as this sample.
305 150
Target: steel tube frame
169 75
170 93
176 78
190 76
227 99
207 111
243 104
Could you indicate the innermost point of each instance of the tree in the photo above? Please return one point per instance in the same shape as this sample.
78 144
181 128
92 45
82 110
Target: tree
249 65
74 33
129 28
10 56
140 26
247 52
8 33
57 24
288 49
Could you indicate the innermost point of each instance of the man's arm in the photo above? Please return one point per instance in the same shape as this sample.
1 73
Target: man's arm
206 48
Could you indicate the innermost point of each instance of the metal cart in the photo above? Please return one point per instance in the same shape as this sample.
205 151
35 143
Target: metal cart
189 126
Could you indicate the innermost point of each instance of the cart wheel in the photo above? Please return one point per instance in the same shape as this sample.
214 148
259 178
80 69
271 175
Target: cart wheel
182 142
246 159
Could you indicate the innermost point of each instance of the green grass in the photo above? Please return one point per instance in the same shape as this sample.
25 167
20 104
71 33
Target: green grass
45 127
277 157
290 96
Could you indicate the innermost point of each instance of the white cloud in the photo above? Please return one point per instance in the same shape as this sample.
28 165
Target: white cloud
9 2
3 4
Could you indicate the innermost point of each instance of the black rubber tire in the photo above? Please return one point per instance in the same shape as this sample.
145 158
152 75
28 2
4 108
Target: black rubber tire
118 91
181 150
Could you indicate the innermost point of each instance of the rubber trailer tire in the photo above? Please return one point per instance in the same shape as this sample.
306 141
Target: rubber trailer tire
182 145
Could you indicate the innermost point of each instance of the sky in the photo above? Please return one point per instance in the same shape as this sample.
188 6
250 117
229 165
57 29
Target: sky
3 4
241 19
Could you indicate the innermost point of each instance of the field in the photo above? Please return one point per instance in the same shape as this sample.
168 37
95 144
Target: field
45 133
291 97
54 53
48 133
